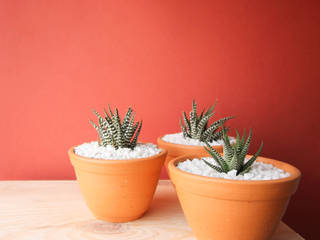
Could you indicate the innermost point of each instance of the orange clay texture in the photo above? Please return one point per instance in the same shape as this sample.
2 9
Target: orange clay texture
118 190
224 209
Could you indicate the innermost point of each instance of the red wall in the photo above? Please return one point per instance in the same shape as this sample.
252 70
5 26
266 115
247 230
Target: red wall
260 59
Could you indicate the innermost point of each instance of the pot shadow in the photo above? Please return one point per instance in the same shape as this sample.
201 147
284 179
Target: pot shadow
164 204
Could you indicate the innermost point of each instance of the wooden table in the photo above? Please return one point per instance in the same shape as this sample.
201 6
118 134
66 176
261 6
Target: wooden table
56 210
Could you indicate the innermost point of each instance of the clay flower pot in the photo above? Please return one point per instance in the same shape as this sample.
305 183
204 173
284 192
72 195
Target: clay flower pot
118 190
224 209
176 150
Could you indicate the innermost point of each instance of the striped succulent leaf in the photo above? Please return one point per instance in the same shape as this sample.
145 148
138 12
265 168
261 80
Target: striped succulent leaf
134 141
212 129
129 131
234 156
126 120
113 131
217 157
196 127
201 125
187 122
184 131
218 169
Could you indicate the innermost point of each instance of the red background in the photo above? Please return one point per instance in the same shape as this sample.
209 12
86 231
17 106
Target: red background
260 59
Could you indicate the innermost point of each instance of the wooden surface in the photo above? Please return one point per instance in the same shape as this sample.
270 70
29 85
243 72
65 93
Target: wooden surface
55 210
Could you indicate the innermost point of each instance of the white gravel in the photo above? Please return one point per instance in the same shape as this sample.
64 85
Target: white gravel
93 150
259 170
178 138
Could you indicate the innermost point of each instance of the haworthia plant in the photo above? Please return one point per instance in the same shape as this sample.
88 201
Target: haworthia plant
113 131
196 127
234 156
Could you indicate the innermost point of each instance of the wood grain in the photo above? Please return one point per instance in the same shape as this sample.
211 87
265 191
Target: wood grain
56 210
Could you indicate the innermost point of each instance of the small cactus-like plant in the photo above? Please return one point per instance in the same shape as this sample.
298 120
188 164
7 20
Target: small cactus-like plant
196 127
113 131
233 155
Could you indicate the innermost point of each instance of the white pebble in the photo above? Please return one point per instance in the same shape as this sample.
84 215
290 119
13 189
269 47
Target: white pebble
178 138
93 150
259 170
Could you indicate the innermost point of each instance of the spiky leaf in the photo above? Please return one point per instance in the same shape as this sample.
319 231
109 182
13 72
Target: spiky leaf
248 164
245 148
113 131
134 142
217 157
196 127
126 120
218 169
234 156
187 123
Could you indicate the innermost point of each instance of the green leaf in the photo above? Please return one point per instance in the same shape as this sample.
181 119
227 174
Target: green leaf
108 118
134 142
129 131
217 157
201 115
218 169
193 123
94 125
217 135
214 126
209 131
135 127
238 145
243 139
194 109
100 118
201 125
251 161
126 120
210 109
105 137
187 123
227 148
110 111
185 134
225 137
221 121
245 148
114 132
117 124
235 164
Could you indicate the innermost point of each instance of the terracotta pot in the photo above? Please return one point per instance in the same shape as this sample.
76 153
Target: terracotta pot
176 150
223 209
118 190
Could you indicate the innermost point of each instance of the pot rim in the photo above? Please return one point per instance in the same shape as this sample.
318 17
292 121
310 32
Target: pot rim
294 172
72 154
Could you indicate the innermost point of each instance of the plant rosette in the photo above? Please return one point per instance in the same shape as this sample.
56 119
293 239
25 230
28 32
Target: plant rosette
195 132
176 149
117 181
224 197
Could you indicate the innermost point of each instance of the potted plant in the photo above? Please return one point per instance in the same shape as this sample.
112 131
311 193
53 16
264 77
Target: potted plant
234 195
116 174
195 131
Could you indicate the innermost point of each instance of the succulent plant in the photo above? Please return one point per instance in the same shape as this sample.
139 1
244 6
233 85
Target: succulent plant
233 155
196 127
113 131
